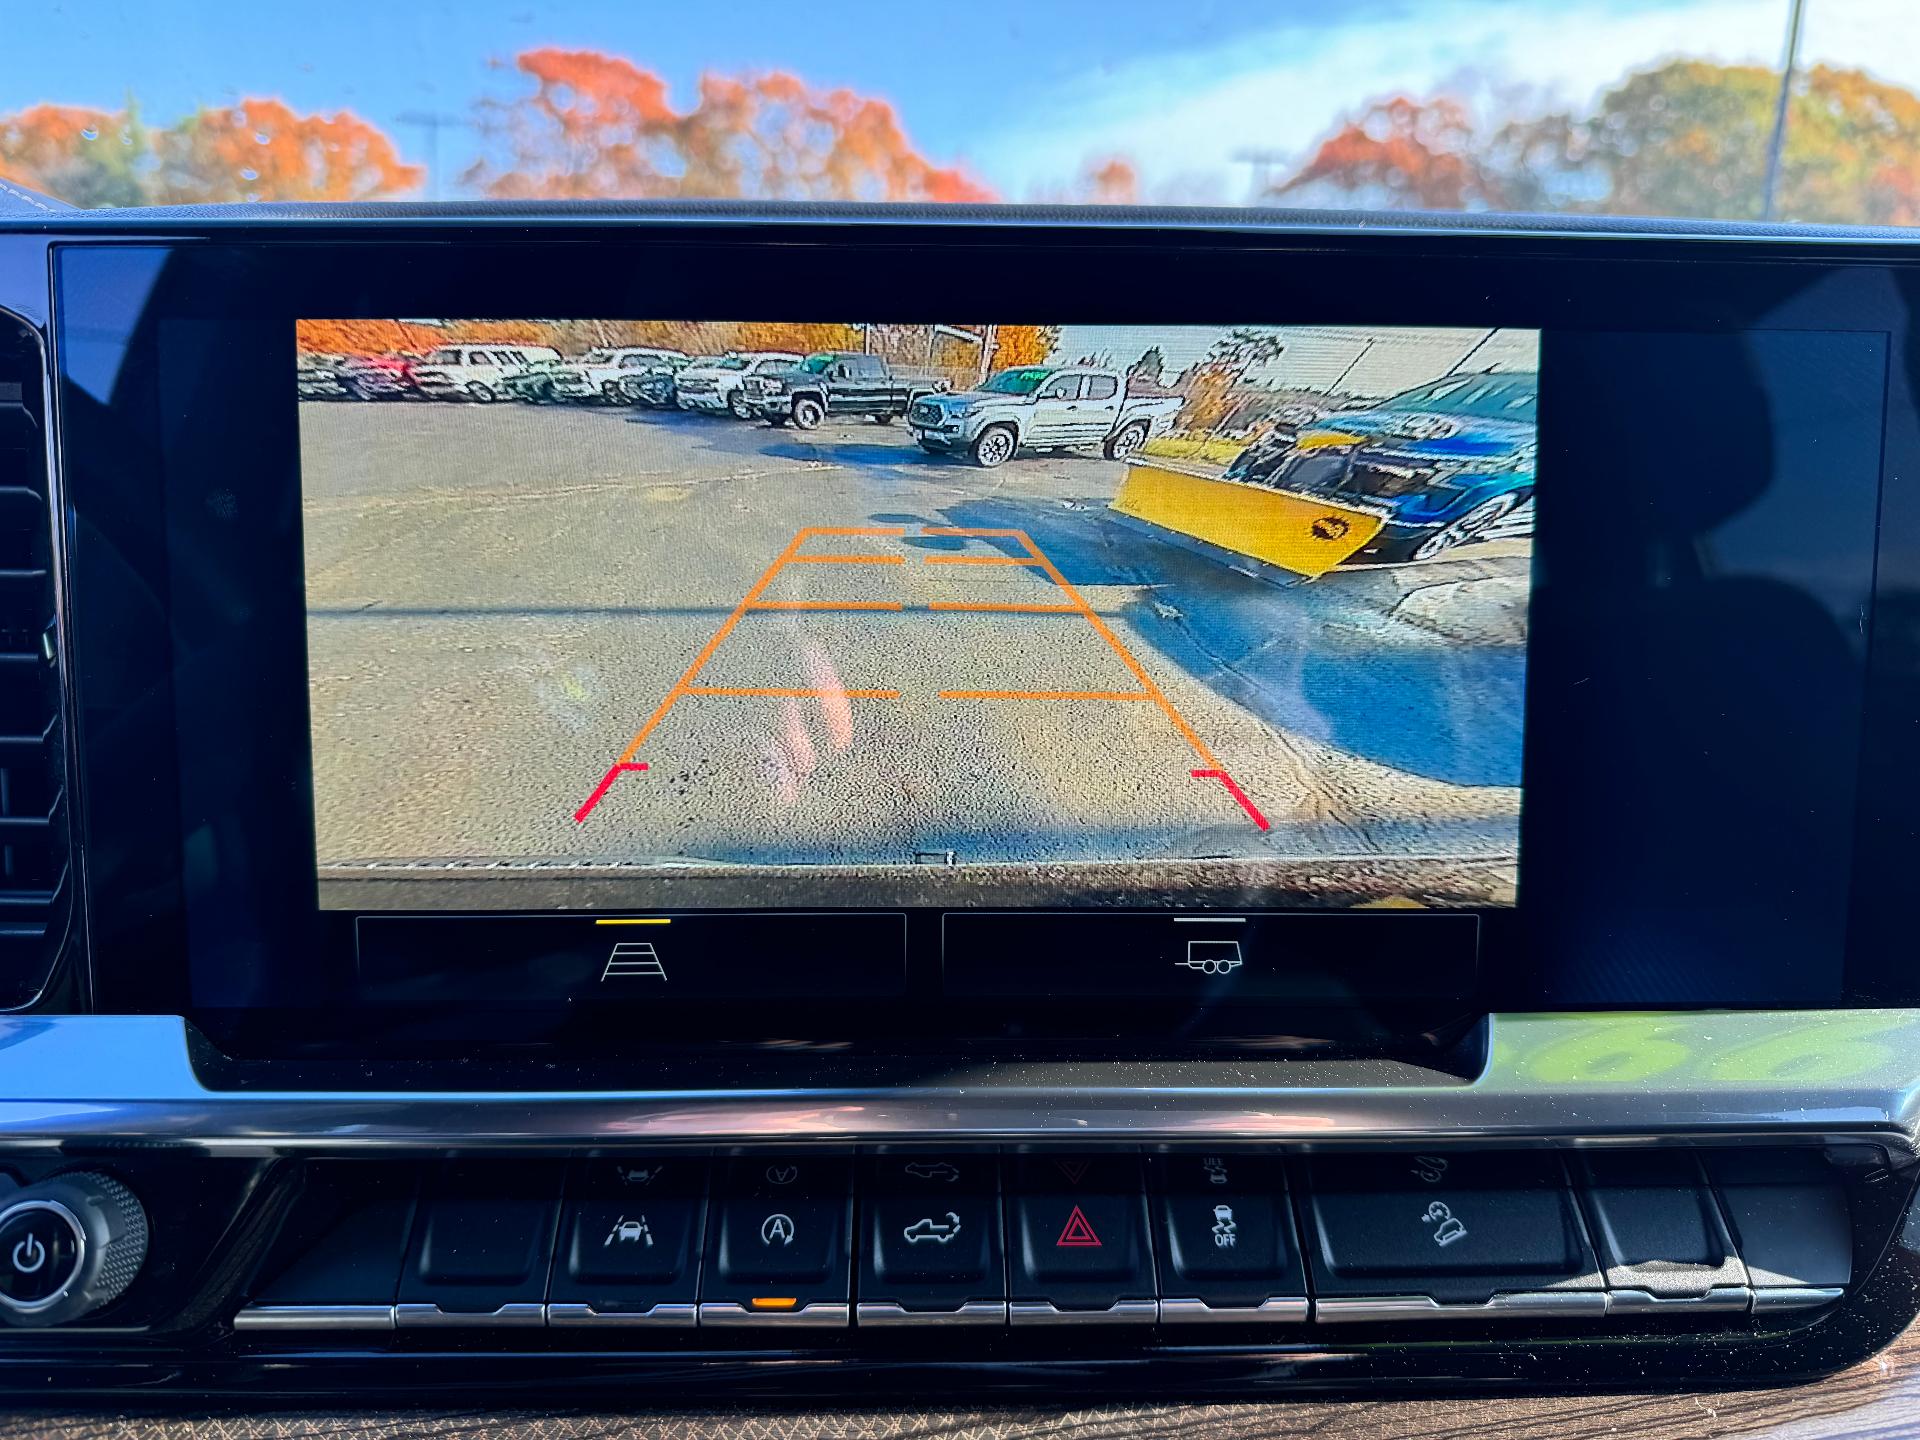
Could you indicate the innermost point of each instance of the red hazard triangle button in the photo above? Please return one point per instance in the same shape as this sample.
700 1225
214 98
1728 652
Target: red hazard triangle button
1077 1233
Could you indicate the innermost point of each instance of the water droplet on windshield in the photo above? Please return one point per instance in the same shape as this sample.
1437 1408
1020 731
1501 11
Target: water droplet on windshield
249 174
89 134
260 137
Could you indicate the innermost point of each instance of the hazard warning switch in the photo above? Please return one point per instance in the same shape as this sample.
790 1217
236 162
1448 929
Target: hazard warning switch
1081 1240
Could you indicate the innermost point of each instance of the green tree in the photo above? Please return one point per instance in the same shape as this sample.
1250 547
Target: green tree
1686 138
1150 367
1690 138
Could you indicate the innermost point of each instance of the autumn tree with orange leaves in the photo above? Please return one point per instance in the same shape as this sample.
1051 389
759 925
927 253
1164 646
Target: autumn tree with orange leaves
261 149
597 125
1022 345
254 150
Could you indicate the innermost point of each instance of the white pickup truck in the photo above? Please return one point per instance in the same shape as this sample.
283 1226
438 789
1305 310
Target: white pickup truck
1040 407
715 385
598 374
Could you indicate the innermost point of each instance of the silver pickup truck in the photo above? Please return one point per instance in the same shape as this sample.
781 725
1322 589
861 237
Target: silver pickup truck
1040 407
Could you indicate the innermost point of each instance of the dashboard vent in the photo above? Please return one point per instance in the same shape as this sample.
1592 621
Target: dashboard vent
35 889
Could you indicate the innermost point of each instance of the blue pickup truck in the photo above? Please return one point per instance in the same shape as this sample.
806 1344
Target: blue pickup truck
1443 463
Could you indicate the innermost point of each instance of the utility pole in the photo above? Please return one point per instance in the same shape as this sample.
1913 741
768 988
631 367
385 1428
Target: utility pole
1777 144
1262 162
431 123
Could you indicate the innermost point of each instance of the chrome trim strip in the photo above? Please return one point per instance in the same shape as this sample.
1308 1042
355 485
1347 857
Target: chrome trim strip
1645 1302
665 1313
520 1315
884 1314
1537 1304
1280 1311
1045 1312
814 1315
1769 1298
315 1317
1597 1078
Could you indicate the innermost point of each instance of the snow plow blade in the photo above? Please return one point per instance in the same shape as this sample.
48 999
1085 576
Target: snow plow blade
1299 533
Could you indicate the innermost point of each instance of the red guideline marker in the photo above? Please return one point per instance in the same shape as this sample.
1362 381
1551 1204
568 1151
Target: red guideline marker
606 784
1234 790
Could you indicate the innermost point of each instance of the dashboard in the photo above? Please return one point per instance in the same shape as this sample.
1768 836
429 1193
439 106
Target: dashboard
817 801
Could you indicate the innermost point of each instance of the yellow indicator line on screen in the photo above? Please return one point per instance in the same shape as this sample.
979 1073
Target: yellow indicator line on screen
634 922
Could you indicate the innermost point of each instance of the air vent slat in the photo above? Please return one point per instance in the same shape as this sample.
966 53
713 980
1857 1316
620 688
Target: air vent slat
35 899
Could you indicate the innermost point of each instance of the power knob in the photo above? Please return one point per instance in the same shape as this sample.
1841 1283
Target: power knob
68 1245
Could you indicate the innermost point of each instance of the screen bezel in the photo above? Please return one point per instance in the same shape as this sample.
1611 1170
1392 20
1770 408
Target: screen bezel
120 301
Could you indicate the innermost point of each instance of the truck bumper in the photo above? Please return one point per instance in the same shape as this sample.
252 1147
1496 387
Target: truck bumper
939 439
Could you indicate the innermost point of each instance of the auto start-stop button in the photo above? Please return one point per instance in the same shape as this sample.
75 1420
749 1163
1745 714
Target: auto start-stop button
41 1248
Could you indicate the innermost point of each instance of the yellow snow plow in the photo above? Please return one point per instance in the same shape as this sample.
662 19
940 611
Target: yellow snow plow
1295 532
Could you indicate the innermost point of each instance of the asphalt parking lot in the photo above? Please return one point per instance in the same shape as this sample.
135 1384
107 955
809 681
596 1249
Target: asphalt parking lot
827 648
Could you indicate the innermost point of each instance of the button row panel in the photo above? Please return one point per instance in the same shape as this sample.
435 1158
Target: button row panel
1120 1239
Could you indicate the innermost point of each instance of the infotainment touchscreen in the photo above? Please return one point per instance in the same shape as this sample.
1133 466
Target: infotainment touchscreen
1040 615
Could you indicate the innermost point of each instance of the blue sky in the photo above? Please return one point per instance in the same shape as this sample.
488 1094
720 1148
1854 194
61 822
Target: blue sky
1023 92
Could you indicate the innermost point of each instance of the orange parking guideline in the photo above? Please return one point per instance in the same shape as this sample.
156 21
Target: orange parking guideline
706 651
1043 695
1126 656
1035 558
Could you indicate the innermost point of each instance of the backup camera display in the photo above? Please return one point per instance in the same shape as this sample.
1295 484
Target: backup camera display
645 613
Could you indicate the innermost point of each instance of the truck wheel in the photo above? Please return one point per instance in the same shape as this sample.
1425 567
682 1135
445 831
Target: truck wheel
737 406
808 413
995 446
1119 447
481 393
777 420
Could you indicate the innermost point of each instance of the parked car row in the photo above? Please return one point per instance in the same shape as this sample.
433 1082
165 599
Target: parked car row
1028 407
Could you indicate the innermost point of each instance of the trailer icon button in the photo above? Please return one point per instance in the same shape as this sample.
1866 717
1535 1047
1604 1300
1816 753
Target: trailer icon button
1212 957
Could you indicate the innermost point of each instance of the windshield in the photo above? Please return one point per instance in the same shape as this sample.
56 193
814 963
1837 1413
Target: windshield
597 357
1802 110
815 364
1016 382
730 362
444 357
1493 397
